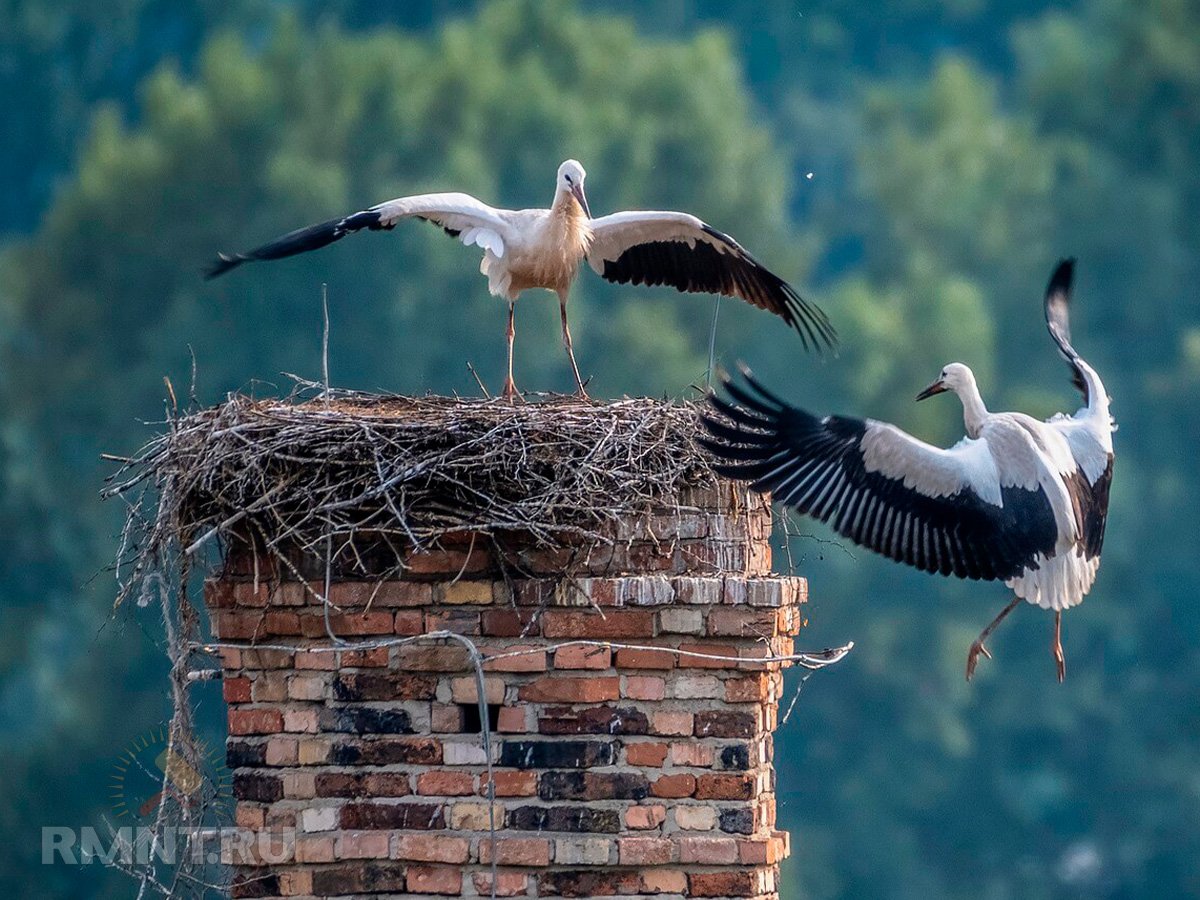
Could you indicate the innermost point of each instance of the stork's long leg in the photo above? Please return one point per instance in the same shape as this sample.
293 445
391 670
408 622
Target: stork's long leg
566 330
510 388
977 647
1059 660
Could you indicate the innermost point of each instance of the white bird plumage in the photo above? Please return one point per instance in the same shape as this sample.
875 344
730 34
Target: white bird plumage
543 248
1017 500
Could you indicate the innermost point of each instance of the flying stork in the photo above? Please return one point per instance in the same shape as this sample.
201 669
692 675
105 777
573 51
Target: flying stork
1017 500
543 248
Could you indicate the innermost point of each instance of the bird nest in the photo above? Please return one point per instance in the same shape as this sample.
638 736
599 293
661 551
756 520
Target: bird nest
331 474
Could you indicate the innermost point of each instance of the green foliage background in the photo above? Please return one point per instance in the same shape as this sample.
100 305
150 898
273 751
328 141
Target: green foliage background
956 149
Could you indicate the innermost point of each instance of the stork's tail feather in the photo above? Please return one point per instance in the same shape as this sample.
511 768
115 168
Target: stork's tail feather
1058 319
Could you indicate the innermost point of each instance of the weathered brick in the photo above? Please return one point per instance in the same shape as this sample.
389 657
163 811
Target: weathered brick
508 884
432 658
699 590
564 818
587 882
556 754
511 784
257 788
475 816
533 659
402 593
641 818
663 881
466 689
458 621
725 787
735 757
255 721
441 783
316 659
387 751
735 621
362 845
360 785
646 754
511 720
516 851
695 818
406 815
691 753
269 687
237 626
510 622
352 623
323 818
578 785
645 659
672 723
739 820
615 623
236 690
677 620
365 720
748 689
726 723
715 851
462 753
408 622
727 883
707 656
674 787
281 751
558 689
358 877
696 687
359 686
644 687
645 851
593 720
301 721
578 656
583 851
439 848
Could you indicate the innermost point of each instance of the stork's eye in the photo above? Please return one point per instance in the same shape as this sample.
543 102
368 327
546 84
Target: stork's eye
568 177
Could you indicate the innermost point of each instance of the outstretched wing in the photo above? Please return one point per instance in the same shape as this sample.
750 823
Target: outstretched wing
460 215
677 249
948 511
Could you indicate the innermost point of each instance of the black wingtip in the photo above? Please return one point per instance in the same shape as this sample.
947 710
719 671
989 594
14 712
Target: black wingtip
1064 275
223 264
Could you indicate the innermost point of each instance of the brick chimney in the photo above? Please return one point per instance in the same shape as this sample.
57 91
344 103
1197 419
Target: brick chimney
640 767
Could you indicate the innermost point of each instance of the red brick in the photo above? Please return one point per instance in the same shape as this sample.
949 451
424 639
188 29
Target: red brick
645 851
434 880
432 658
750 689
515 851
742 622
674 787
646 754
374 622
458 621
691 754
664 881
716 851
441 783
579 656
438 848
725 787
705 652
403 593
508 884
729 883
450 563
672 723
759 853
645 659
526 662
641 818
645 687
312 659
511 720
374 658
615 623
314 849
509 623
511 783
282 623
363 845
237 626
255 721
409 622
236 690
553 689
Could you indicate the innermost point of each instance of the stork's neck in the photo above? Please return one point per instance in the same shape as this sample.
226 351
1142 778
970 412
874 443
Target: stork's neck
974 412
565 204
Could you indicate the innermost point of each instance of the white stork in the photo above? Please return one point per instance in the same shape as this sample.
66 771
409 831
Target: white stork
1017 500
542 248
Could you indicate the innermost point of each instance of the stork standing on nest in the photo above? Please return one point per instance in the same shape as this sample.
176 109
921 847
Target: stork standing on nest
1018 499
543 248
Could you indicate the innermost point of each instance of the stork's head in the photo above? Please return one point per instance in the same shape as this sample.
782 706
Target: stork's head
570 181
954 377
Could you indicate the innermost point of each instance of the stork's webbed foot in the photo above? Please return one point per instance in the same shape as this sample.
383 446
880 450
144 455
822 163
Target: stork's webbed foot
510 392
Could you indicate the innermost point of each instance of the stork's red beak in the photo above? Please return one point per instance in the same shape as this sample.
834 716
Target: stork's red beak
577 193
938 387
